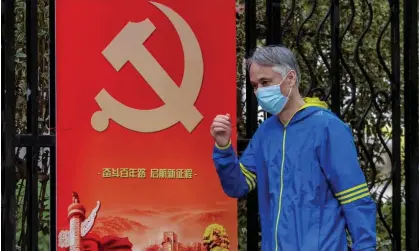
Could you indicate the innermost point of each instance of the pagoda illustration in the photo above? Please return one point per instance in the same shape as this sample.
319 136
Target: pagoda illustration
170 241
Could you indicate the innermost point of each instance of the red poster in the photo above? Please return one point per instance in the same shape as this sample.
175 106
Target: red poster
138 85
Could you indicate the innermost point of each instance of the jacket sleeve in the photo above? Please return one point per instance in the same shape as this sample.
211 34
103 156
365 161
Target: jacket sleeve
237 177
339 160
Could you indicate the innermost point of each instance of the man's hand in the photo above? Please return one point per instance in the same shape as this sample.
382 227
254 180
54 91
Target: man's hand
221 129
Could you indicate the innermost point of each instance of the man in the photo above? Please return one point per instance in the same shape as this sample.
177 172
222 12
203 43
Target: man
303 161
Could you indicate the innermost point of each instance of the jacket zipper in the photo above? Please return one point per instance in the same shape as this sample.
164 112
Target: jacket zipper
282 174
281 188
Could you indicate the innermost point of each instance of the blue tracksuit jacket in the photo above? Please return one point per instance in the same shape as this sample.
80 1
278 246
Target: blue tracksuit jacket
309 182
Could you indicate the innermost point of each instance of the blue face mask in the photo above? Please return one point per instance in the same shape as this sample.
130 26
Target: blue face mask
271 99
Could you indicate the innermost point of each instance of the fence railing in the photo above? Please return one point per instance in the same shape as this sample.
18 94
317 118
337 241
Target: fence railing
353 54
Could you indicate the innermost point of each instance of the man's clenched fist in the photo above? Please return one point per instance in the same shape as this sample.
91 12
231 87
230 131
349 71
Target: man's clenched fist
221 129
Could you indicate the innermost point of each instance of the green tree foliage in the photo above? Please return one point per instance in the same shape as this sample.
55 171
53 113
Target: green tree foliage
365 70
43 156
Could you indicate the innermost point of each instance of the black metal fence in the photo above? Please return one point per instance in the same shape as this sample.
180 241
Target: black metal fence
361 56
28 120
354 55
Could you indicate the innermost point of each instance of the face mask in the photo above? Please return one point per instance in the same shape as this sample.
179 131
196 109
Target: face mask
271 99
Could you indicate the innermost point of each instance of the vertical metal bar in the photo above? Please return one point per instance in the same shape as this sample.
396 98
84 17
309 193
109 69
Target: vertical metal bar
269 22
52 110
410 28
32 152
53 206
396 131
273 18
273 29
276 22
251 124
251 101
8 217
335 50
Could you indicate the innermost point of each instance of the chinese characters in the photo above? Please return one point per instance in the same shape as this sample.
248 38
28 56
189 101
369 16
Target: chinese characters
142 173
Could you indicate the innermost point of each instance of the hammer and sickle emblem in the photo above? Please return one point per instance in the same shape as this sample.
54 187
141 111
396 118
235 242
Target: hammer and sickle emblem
179 101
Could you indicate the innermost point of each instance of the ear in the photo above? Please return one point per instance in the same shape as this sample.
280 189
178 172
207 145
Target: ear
292 78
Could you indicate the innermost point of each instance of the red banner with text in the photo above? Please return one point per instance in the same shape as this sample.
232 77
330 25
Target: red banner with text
138 85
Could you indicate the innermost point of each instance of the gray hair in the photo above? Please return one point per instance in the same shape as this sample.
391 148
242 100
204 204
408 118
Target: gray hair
280 58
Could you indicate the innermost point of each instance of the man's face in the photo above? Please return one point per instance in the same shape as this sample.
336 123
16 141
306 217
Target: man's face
262 76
